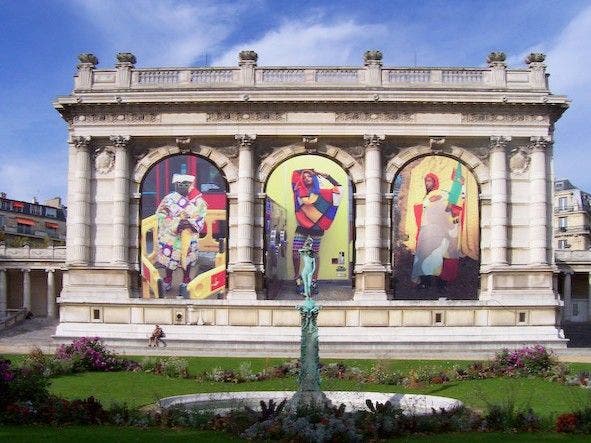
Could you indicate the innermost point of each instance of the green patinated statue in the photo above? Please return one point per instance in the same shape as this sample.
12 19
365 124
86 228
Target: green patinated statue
309 267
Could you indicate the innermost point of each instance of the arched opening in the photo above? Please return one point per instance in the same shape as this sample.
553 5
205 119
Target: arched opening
435 238
183 229
309 198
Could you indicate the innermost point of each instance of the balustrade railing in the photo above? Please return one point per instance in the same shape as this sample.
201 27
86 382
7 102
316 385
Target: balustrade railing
313 76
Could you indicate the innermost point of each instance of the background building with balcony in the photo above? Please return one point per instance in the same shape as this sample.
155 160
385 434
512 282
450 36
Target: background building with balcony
32 223
572 243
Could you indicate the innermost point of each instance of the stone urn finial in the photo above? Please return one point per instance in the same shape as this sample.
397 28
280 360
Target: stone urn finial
496 58
247 56
126 57
535 57
87 58
372 57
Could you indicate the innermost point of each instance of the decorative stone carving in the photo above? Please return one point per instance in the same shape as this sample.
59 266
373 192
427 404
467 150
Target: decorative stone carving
104 161
535 57
513 117
126 57
184 144
245 140
119 141
373 141
519 161
248 57
541 143
310 143
375 116
436 143
499 142
81 141
230 152
496 58
372 57
112 118
87 58
245 116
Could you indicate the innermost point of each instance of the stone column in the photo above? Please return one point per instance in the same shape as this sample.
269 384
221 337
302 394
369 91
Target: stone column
120 200
27 289
3 292
567 294
243 284
498 193
374 278
124 65
247 60
538 206
77 252
51 304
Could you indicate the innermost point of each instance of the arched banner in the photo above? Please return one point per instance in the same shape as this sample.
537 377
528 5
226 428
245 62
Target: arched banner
184 229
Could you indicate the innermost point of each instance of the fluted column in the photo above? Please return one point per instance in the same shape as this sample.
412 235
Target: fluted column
51 305
78 249
27 289
538 205
373 278
373 199
242 271
245 197
498 195
120 200
3 292
567 295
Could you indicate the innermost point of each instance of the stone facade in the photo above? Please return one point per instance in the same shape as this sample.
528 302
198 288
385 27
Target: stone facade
371 121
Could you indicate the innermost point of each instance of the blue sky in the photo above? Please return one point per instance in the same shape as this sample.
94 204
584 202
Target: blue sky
40 40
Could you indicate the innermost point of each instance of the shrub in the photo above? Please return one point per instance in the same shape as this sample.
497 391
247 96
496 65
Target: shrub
90 354
533 360
566 422
21 385
505 416
173 367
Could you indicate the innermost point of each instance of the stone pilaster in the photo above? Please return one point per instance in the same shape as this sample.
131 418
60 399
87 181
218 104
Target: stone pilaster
120 200
243 278
498 193
3 292
537 70
247 60
498 69
87 64
538 205
27 289
51 304
374 277
567 294
78 251
124 65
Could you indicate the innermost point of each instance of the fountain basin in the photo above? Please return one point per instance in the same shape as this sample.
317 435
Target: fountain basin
220 402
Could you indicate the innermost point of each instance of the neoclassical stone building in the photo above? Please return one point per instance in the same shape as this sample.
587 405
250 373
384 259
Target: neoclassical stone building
371 123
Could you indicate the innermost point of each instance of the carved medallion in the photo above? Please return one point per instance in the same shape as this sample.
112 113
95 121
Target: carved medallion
104 161
519 161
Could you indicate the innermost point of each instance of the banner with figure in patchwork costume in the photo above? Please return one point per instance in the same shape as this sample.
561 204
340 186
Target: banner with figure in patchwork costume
435 230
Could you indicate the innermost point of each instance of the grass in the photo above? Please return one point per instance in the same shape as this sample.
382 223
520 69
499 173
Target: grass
91 434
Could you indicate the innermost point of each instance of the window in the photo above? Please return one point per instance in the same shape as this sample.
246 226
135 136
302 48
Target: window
562 202
18 206
51 212
36 210
2 222
562 244
24 229
562 223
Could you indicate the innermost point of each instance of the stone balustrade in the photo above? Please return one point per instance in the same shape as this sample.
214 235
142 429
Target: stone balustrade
51 253
495 76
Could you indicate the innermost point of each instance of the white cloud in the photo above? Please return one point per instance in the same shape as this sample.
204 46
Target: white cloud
162 32
306 42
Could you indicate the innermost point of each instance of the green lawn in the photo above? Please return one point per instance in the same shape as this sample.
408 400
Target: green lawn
91 434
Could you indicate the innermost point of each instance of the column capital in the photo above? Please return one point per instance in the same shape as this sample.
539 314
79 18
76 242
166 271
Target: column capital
541 143
119 141
499 142
245 141
25 270
373 141
81 141
49 270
